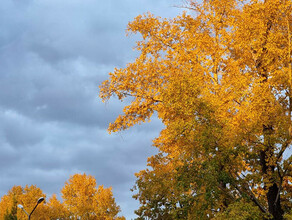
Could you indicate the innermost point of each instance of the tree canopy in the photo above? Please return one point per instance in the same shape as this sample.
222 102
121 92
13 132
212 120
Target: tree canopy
219 77
81 200
84 201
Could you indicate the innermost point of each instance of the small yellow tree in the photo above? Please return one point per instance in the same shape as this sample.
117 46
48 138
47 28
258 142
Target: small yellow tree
55 209
27 196
83 200
29 199
8 203
104 204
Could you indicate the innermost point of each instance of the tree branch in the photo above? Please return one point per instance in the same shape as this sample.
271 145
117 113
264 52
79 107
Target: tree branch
284 147
141 96
251 195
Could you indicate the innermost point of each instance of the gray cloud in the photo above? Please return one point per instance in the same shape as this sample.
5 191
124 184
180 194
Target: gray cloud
54 54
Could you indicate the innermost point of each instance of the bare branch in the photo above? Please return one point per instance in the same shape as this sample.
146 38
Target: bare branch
141 96
284 147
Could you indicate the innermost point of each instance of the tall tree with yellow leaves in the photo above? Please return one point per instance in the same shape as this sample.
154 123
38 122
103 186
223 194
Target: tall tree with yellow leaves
220 79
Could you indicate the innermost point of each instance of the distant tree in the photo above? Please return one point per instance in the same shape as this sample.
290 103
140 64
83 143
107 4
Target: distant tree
27 197
84 201
12 214
104 204
81 200
55 210
8 203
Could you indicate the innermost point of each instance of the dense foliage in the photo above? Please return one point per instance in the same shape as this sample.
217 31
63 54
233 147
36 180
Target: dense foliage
82 200
219 77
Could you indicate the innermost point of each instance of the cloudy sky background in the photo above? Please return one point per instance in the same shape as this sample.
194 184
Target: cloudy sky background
54 54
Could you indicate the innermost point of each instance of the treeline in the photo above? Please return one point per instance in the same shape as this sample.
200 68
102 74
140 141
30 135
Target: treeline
82 199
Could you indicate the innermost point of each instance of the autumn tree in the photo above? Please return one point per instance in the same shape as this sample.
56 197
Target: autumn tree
26 196
220 79
104 204
83 200
54 209
29 199
8 203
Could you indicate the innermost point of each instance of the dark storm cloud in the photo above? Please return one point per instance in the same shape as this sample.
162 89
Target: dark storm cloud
54 54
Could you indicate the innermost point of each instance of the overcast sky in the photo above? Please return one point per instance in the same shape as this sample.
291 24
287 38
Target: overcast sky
54 54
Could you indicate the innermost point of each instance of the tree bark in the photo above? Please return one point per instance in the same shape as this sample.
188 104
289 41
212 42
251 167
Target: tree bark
274 203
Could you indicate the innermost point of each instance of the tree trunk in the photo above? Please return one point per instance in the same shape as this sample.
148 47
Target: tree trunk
274 207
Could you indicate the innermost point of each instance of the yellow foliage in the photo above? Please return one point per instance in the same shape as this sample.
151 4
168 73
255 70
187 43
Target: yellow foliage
27 197
9 201
220 79
55 209
83 200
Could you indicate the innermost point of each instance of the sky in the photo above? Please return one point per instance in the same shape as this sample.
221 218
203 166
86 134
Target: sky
54 54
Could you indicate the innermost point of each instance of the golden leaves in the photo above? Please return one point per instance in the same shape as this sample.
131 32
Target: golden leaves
219 81
81 199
